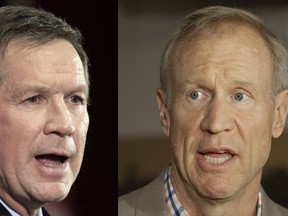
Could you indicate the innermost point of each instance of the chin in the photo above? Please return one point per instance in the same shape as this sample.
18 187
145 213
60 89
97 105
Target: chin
217 193
52 192
53 198
218 189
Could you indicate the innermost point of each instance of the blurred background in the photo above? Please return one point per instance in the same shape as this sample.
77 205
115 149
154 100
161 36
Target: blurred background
95 190
144 27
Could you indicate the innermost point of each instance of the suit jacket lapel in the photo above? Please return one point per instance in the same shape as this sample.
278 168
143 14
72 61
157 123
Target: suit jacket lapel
151 199
44 211
4 211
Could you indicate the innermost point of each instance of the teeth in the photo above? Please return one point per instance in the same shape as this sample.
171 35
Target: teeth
213 160
51 160
52 164
221 152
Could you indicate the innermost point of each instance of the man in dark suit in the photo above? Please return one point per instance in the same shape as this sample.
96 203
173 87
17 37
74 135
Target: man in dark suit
4 211
44 89
223 97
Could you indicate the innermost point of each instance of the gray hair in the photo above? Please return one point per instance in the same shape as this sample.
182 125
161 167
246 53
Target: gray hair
206 20
39 27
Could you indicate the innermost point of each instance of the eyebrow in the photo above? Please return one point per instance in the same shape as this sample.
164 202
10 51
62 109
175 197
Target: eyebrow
239 83
20 92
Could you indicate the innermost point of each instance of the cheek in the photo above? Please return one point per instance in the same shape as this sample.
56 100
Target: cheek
256 135
261 146
83 129
184 125
12 137
184 133
81 122
80 149
80 139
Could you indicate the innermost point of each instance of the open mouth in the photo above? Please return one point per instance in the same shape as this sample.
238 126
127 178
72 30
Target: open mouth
51 160
218 157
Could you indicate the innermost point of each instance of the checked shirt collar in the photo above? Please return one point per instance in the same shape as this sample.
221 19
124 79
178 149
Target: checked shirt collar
174 206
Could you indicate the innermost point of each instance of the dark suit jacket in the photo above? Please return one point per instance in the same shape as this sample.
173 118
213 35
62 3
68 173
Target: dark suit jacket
5 212
150 200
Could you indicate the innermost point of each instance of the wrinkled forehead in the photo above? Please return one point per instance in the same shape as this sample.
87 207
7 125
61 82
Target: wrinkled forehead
240 52
222 37
23 44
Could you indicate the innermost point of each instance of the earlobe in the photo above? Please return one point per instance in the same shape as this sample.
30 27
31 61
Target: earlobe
163 111
281 108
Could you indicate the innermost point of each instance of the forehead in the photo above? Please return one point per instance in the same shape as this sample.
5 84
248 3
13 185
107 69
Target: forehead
57 53
51 64
237 52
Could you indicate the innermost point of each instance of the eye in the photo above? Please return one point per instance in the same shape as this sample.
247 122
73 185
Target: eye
240 96
195 95
33 100
76 100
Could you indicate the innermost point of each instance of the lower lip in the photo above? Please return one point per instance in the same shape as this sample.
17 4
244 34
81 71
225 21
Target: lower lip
205 166
55 171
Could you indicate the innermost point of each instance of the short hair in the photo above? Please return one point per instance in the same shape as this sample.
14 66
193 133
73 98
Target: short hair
207 20
40 27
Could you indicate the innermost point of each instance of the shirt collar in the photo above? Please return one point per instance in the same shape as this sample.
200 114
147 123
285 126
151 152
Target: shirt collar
174 206
13 213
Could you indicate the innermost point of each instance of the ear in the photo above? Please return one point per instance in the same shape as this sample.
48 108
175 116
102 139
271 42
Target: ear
281 108
163 111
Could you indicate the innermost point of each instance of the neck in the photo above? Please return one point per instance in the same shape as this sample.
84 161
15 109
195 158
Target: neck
242 202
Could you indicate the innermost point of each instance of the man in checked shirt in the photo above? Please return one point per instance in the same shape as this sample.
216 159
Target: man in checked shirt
223 97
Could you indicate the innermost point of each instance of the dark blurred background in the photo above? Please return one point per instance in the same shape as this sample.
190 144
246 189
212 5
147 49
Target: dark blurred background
95 190
144 27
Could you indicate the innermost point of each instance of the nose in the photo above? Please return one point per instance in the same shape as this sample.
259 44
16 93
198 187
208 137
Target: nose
59 120
218 117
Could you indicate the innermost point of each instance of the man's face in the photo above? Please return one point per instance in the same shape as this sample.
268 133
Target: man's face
43 121
222 118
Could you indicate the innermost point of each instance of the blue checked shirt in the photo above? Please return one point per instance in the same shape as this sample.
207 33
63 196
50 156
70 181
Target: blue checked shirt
174 206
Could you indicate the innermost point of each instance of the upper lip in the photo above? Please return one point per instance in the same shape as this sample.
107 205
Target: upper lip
64 153
61 156
217 150
56 148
